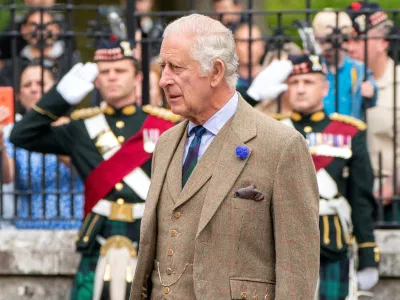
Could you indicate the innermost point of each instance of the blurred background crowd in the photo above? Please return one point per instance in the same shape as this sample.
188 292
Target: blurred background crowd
40 40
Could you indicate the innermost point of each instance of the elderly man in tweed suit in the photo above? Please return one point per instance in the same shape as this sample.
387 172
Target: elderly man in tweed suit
232 211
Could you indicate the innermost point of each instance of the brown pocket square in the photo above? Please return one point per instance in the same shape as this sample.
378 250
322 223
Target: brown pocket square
249 192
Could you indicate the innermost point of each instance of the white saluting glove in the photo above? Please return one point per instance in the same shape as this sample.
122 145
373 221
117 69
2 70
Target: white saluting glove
367 278
269 84
78 82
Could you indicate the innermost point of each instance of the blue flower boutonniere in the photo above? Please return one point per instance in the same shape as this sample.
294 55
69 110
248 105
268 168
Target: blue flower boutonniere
242 152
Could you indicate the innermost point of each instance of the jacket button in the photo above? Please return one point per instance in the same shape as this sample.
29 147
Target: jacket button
174 233
243 295
170 252
177 214
166 290
119 186
266 297
120 124
255 298
121 139
169 271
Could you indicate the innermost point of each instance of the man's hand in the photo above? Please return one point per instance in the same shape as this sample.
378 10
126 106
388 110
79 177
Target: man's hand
61 121
387 193
367 278
78 82
269 84
367 89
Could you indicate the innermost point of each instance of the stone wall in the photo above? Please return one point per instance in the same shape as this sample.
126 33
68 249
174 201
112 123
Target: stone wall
37 265
40 265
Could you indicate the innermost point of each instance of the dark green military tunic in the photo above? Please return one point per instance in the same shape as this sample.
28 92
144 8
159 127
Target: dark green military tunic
354 179
35 133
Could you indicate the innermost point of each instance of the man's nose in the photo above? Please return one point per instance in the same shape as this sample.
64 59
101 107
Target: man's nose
36 88
300 88
112 75
165 79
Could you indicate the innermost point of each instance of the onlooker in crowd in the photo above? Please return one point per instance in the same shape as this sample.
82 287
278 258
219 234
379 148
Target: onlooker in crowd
143 7
243 38
7 199
380 117
40 31
354 94
232 16
33 168
5 41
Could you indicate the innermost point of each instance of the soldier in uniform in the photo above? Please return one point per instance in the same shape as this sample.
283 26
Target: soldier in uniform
339 151
111 147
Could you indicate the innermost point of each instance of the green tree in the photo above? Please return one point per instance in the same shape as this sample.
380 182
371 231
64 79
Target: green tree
287 17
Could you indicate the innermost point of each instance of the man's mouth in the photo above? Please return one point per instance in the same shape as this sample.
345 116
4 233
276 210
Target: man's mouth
174 97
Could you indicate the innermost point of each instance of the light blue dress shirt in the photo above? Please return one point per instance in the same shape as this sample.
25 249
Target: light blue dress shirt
213 125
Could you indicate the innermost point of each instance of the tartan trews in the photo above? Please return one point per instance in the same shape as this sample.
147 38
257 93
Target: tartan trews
334 279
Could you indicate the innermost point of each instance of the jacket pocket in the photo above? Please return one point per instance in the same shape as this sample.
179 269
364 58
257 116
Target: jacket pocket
249 204
252 288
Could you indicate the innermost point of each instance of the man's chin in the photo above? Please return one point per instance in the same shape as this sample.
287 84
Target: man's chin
178 110
112 100
301 108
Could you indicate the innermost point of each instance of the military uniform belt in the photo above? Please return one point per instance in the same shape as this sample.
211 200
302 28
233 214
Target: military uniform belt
341 207
325 209
126 212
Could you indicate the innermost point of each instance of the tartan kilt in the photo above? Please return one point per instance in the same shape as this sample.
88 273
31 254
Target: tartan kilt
83 285
334 279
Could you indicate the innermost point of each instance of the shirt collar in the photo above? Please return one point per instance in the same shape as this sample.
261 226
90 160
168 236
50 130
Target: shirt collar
219 119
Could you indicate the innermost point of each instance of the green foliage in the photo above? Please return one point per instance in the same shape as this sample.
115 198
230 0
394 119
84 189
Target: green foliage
337 4
5 14
287 18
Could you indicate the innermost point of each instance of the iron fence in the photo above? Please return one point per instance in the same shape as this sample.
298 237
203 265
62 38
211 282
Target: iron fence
58 195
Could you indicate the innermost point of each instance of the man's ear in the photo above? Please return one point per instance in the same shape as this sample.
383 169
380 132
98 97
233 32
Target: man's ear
386 45
96 82
217 73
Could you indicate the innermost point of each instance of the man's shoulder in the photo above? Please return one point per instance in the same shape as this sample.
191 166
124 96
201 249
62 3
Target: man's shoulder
348 121
85 113
274 125
161 113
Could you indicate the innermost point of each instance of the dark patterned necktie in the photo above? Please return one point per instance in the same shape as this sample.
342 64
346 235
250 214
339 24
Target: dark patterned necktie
193 153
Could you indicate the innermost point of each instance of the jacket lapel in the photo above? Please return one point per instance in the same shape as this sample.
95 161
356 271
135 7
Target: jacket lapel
228 167
174 175
204 168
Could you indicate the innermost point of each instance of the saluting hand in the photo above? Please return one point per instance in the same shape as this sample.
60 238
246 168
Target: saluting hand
270 83
78 82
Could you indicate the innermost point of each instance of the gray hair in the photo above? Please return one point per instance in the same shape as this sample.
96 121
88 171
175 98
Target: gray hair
212 41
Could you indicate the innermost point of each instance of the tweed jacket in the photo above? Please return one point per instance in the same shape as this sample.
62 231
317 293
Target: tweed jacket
244 248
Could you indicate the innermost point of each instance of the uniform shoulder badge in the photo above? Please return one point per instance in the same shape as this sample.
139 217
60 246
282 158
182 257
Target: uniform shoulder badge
349 120
161 113
278 116
85 113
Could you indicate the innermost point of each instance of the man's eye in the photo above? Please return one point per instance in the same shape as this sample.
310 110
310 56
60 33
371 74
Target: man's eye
162 66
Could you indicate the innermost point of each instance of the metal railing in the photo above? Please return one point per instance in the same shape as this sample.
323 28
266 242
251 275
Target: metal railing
279 32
